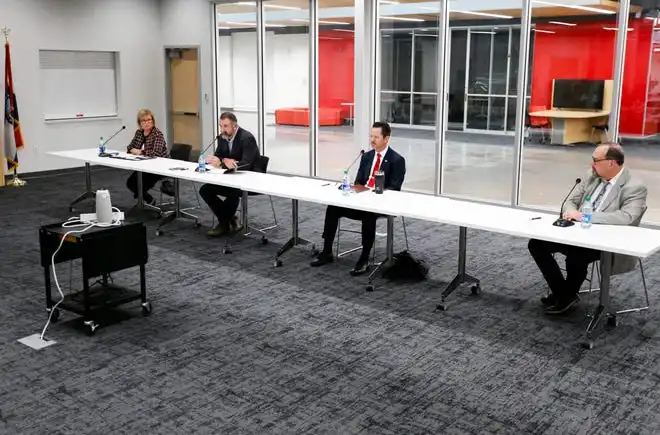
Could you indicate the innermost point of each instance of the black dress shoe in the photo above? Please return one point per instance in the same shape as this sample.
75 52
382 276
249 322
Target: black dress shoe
359 269
322 259
549 300
562 305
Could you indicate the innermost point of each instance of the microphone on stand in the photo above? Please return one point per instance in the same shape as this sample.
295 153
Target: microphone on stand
360 154
104 154
561 222
198 169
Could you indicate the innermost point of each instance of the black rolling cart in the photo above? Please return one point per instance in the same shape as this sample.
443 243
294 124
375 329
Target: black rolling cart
103 250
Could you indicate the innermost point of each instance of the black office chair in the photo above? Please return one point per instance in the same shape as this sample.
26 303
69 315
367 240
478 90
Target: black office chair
261 165
181 152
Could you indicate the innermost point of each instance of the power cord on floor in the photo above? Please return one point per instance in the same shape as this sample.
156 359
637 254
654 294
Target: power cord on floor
73 222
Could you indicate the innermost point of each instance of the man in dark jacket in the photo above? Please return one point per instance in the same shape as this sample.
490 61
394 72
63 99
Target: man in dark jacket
380 157
237 149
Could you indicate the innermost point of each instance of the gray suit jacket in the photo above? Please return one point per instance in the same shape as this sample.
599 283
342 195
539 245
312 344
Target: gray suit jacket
625 204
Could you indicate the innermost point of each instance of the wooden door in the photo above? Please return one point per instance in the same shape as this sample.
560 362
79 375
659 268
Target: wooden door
184 101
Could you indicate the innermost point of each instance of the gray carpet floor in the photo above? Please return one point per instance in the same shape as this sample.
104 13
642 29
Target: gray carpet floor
237 346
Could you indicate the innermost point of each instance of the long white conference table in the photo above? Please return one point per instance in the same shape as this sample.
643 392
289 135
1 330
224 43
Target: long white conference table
609 239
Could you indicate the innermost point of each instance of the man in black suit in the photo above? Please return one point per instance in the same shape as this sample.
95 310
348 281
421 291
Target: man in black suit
237 149
383 158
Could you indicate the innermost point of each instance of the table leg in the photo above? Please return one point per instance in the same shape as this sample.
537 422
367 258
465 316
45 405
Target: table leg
87 194
146 304
462 277
49 297
89 323
295 239
139 188
601 312
177 213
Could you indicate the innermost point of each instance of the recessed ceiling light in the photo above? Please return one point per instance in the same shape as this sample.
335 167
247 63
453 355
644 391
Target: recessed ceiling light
483 14
615 29
543 31
561 23
581 8
290 8
401 19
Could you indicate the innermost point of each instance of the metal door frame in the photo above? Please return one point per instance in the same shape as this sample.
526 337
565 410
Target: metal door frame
168 93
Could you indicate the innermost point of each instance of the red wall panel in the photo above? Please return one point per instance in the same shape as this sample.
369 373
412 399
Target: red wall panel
586 51
652 125
336 69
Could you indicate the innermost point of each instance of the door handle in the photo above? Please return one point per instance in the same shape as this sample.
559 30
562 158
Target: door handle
185 113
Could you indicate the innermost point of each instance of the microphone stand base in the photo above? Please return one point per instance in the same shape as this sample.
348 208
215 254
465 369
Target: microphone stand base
563 223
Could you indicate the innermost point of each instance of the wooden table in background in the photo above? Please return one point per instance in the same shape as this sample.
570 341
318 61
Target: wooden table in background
572 126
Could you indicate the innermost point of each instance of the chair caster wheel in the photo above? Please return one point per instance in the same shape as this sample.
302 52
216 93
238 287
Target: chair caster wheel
441 307
587 345
159 232
55 315
264 240
370 287
476 290
226 251
72 209
612 321
198 224
146 308
277 263
91 327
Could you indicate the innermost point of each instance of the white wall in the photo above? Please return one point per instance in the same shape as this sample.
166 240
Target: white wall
189 23
286 71
130 27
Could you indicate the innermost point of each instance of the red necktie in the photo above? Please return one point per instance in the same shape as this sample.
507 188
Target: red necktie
372 181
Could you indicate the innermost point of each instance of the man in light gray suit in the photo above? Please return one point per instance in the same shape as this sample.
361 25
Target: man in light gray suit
617 198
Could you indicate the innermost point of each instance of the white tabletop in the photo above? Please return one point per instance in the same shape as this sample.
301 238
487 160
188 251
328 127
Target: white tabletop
640 242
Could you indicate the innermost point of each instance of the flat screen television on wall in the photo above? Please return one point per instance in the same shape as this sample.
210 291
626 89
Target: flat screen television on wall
578 94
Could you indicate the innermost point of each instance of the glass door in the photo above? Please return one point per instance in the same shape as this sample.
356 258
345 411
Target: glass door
490 83
457 69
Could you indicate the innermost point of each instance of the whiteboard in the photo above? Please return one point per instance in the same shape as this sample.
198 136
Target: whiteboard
78 84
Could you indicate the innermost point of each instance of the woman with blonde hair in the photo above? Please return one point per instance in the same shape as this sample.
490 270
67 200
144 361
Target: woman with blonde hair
148 141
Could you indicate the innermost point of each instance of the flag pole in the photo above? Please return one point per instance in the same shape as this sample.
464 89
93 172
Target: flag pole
15 181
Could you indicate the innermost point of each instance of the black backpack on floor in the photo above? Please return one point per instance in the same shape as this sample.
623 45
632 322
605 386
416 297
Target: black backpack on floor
406 268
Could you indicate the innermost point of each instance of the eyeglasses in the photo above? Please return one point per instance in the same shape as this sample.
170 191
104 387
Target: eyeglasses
595 160
145 121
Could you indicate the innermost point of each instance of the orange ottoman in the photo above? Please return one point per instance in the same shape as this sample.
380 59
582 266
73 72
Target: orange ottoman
300 116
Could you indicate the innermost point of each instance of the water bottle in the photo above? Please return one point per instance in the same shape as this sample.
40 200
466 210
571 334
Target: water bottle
201 164
587 211
101 146
345 184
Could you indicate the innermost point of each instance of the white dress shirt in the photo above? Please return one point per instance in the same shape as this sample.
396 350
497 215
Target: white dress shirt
608 186
373 163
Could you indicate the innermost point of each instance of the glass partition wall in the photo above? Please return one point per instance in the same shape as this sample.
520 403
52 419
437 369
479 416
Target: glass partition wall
469 86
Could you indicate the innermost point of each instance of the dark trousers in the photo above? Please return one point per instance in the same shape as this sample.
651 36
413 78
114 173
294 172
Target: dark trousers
332 215
148 182
223 209
577 263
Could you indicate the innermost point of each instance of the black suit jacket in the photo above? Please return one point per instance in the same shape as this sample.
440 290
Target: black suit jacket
392 164
244 149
